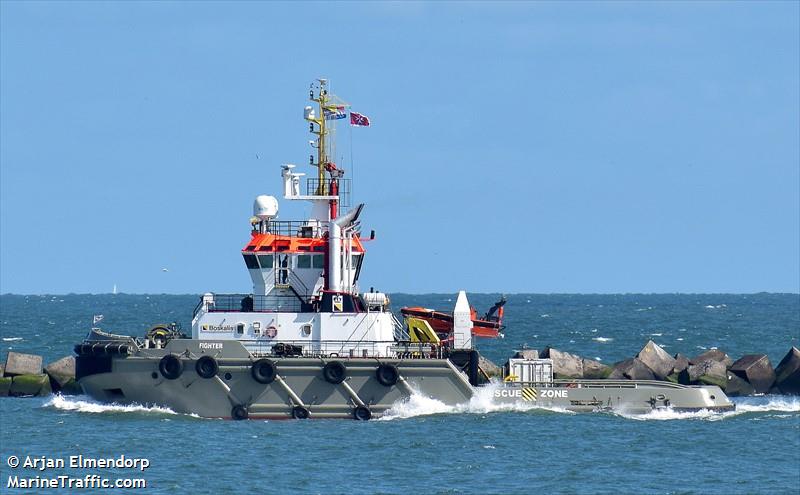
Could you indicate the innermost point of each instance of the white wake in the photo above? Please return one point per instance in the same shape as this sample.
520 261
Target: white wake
418 404
744 405
84 404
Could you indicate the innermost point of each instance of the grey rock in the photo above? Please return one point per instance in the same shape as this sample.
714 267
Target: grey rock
489 369
595 370
527 354
681 363
5 386
18 363
713 355
709 372
657 359
71 388
565 365
737 386
787 374
30 385
61 371
632 369
756 370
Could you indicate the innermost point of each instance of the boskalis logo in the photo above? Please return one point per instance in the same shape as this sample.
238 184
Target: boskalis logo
208 327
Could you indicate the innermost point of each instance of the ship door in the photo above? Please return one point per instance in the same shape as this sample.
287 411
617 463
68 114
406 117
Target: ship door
282 271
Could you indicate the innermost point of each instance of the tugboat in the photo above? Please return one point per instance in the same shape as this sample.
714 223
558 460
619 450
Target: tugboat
307 344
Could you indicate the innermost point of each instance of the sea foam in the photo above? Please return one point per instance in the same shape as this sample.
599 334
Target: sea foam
84 404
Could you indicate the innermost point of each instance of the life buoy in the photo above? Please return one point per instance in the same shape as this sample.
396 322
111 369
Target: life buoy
300 412
239 412
170 366
206 367
362 413
264 371
387 375
271 332
334 372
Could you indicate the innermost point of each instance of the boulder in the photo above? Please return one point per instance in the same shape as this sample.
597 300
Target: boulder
709 372
713 355
61 371
657 359
5 386
756 370
737 386
631 369
527 354
30 385
71 388
595 370
565 365
18 363
490 370
787 374
681 363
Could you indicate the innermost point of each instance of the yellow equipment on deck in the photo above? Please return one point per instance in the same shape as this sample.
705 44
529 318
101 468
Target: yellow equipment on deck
420 331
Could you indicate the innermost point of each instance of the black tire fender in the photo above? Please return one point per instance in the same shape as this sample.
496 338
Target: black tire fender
387 375
206 367
264 371
362 413
239 412
170 366
300 412
334 372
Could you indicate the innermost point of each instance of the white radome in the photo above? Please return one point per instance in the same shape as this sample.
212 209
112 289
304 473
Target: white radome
265 207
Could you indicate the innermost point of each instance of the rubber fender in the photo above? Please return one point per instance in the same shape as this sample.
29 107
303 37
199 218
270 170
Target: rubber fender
387 375
170 366
239 412
206 367
474 361
362 413
300 412
334 372
264 371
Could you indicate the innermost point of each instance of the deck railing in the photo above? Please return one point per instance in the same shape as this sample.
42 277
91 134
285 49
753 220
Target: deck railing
249 303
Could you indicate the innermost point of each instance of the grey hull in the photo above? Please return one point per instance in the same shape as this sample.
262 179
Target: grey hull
634 397
116 370
299 381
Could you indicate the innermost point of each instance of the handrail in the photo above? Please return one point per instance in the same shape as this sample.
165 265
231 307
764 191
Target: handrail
603 383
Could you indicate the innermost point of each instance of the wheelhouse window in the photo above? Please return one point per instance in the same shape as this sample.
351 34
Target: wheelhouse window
266 260
318 261
304 261
250 261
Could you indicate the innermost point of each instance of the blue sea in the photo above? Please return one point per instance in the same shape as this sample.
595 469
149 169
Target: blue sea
424 446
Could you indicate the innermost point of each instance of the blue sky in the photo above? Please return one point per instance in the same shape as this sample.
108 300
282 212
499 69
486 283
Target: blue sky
515 147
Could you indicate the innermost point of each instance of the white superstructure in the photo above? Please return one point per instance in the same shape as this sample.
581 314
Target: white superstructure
305 273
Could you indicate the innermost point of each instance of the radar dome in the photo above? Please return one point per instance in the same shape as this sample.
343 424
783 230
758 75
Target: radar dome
265 207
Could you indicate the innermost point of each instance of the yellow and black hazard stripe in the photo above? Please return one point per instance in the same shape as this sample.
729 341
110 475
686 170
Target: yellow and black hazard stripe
529 394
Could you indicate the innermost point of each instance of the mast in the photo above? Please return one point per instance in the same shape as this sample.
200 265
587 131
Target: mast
328 105
322 132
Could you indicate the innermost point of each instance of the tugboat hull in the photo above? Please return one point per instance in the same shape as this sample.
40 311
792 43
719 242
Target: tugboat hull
297 387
